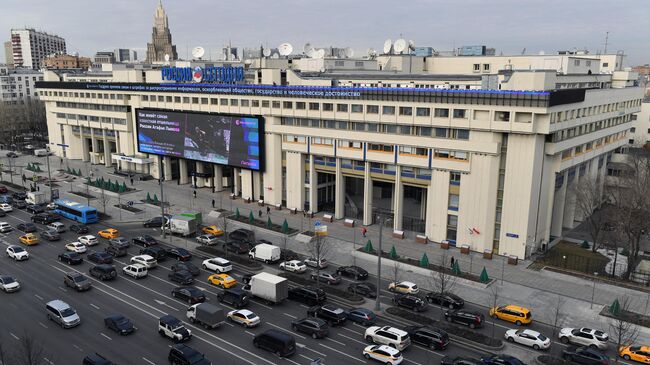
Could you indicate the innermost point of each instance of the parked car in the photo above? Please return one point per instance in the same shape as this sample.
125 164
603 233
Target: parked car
288 255
179 253
383 353
77 281
103 272
362 316
410 301
212 230
501 360
448 300
12 154
470 319
326 277
529 338
71 258
296 266
433 338
316 328
189 294
144 241
242 235
388 335
182 277
367 290
50 235
119 324
155 222
238 247
79 228
186 265
512 313
403 287
353 271
330 313
585 356
100 257
312 262
585 337
156 252
207 239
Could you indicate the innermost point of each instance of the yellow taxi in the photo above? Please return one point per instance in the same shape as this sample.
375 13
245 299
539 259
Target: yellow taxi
223 280
28 239
213 230
109 233
635 353
512 313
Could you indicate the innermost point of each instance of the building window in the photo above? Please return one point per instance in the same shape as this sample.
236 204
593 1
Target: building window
409 150
314 106
177 99
357 108
405 110
576 63
203 100
328 107
144 98
452 226
321 141
388 110
194 100
440 132
441 113
234 102
342 108
275 104
265 104
454 178
476 67
486 67
300 105
255 103
349 144
372 109
453 202
380 147
245 102
224 102
423 112
460 113
462 134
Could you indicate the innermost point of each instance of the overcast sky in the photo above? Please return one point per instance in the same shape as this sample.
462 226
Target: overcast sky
507 25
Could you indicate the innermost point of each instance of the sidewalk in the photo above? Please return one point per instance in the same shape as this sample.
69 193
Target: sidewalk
537 290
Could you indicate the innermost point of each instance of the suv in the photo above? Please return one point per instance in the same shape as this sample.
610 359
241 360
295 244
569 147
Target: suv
470 319
238 247
276 341
235 297
512 313
103 272
184 355
584 337
62 313
119 242
144 241
448 300
100 257
157 253
116 251
412 302
316 328
79 228
50 235
77 281
353 271
585 355
96 359
308 295
242 235
171 327
333 315
435 339
388 335
182 277
27 227
35 208
179 266
43 218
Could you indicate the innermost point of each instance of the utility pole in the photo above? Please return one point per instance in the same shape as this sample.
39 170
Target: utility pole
381 224
11 170
49 174
162 196
606 41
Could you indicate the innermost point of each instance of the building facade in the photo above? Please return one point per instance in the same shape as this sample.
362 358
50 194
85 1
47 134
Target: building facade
18 84
640 131
161 39
66 61
30 47
125 55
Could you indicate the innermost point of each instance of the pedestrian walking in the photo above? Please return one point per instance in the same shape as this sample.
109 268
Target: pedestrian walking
268 210
212 203
38 188
131 181
259 213
364 230
194 193
452 262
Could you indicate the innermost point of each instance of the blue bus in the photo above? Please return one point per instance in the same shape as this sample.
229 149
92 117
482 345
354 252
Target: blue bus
76 211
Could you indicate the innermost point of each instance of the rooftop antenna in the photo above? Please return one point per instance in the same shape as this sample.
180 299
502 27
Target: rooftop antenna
606 40
388 46
523 51
198 52
411 45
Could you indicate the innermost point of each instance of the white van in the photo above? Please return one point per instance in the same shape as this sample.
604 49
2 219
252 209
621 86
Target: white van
265 252
41 153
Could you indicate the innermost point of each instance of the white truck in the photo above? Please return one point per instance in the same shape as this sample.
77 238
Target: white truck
35 197
206 314
182 225
272 288
42 152
265 252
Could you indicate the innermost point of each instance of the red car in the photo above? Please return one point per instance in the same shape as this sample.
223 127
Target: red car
3 189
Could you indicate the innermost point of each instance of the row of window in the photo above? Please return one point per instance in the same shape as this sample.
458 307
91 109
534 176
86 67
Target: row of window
103 107
578 150
587 128
97 132
86 95
593 110
91 118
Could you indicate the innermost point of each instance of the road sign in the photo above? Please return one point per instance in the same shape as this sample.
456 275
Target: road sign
62 145
130 203
35 178
321 230
317 223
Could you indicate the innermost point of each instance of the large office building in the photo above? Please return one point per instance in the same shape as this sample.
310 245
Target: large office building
18 84
483 151
161 48
66 61
30 47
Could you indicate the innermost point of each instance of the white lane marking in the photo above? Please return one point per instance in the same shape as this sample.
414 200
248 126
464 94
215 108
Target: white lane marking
94 306
284 329
149 361
343 353
250 333
42 325
105 336
48 361
63 289
200 288
289 315
77 347
291 361
160 302
304 306
355 332
411 361
352 339
263 305
339 342
303 346
308 358
38 296
14 336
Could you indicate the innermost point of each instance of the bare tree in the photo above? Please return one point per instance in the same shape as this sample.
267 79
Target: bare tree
558 314
624 333
319 248
589 199
442 280
224 227
103 200
30 351
494 300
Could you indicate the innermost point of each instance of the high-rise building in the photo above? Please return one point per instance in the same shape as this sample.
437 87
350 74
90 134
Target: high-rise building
161 38
30 47
125 55
9 55
16 85
103 57
66 61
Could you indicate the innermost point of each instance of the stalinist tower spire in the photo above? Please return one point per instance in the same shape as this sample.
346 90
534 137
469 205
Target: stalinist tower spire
161 38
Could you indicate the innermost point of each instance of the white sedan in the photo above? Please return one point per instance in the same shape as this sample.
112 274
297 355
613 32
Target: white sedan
77 247
145 260
244 317
6 207
17 253
530 338
88 240
8 284
585 337
294 266
217 264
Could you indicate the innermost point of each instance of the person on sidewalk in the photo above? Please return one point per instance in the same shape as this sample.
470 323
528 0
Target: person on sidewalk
268 210
259 213
131 181
212 203
194 193
452 262
364 230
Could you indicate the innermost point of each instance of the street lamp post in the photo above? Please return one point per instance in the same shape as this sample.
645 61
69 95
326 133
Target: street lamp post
381 224
593 291
162 197
49 174
11 170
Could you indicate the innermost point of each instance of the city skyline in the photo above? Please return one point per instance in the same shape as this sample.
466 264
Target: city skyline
546 26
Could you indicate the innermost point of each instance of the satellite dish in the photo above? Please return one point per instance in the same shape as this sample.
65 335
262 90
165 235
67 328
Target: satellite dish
222 57
319 54
340 53
166 57
198 52
349 52
308 49
266 52
275 55
388 46
371 53
411 45
285 49
399 46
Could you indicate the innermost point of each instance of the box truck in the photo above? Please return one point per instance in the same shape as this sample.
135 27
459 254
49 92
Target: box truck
272 288
206 314
35 197
184 226
265 252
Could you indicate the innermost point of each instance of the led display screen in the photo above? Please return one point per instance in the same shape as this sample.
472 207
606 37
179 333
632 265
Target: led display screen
234 140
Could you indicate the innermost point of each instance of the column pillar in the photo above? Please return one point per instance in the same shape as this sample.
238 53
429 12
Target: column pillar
570 202
295 180
558 207
217 180
258 187
200 181
182 170
313 186
93 142
167 170
107 151
236 181
367 196
398 200
85 151
339 192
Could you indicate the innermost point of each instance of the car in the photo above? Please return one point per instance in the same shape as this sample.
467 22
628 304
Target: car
116 251
28 239
217 264
367 290
43 218
296 266
182 277
433 338
50 235
501 360
6 207
446 299
362 316
2 213
77 281
512 313
312 262
3 189
5 227
19 195
236 297
135 271
179 254
242 235
108 233
100 257
19 204
71 258
585 337
316 328
57 226
244 317
77 247
585 356
410 301
308 295
8 284
460 360
35 208
635 353
238 247
119 242
62 313
51 206
383 353
353 271
103 272
119 324
155 222
189 294
79 228
171 327
88 240
144 241
17 253
181 354
156 252
12 154
144 260
470 319
96 359
223 280
403 287
181 265
288 255
387 335
326 277
212 230
529 338
332 314
207 239
27 227
275 341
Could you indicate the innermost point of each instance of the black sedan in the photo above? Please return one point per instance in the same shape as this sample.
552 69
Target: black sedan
155 222
71 258
353 271
179 254
501 360
26 227
315 327
144 241
585 355
449 300
19 195
189 294
447 360
100 257
35 208
193 269
364 289
119 324
50 235
434 338
79 228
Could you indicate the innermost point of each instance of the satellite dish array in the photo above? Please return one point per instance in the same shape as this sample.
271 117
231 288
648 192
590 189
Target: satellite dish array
198 52
401 46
